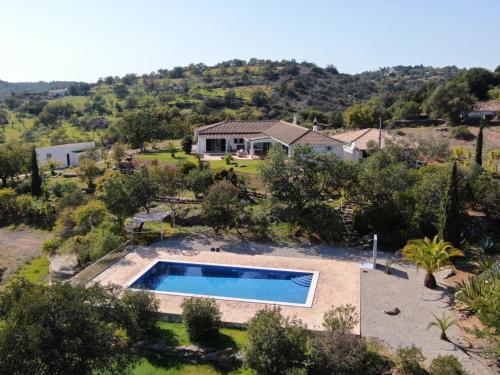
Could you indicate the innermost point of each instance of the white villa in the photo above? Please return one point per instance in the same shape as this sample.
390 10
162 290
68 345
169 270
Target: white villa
254 138
67 155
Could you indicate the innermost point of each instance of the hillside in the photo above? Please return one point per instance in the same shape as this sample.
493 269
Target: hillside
255 89
6 88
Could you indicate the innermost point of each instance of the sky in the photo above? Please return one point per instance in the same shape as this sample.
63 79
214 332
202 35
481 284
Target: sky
84 40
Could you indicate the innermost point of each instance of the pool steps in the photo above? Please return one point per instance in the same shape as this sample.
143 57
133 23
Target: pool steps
302 280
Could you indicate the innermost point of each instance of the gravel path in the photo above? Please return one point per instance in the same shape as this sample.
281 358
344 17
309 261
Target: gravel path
404 289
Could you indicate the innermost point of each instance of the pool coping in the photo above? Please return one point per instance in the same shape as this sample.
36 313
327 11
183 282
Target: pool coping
307 304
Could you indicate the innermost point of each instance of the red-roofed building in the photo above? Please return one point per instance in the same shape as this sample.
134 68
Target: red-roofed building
253 138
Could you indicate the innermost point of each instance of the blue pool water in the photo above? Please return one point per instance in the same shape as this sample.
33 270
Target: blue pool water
227 281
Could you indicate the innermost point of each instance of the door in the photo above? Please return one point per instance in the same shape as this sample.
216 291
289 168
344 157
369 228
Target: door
222 145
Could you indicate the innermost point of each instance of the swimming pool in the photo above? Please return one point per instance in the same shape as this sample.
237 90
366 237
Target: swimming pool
223 281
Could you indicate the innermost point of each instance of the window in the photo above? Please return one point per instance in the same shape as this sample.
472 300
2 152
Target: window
238 140
48 156
328 148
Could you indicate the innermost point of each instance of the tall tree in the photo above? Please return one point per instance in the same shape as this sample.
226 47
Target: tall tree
479 147
449 214
36 180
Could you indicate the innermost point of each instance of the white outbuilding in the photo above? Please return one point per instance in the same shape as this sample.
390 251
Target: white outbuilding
67 155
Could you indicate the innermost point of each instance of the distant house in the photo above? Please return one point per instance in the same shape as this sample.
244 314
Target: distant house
486 109
67 155
57 93
254 138
361 140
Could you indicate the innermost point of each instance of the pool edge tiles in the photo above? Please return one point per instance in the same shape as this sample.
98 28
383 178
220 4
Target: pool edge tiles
308 303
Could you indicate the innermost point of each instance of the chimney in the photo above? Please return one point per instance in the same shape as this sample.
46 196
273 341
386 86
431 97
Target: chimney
295 119
315 125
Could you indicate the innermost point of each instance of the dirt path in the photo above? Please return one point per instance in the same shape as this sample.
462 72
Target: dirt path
17 246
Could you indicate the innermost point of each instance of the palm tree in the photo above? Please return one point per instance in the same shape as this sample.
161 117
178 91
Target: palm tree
443 324
172 149
431 255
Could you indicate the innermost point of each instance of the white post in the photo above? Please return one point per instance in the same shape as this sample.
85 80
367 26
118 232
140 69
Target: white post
375 240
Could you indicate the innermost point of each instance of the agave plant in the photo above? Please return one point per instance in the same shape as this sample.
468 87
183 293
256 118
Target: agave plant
430 255
443 324
484 263
470 293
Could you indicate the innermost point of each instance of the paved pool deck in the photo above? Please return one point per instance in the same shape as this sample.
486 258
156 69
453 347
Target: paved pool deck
338 282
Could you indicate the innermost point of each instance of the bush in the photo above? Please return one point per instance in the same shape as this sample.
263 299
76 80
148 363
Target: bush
322 221
342 318
409 359
275 344
338 353
185 166
141 308
447 365
8 206
50 246
202 318
187 143
199 180
189 216
462 132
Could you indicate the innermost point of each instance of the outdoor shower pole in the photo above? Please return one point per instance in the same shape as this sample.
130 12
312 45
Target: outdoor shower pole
375 240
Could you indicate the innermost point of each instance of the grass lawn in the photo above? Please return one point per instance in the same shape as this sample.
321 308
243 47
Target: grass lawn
242 166
166 157
36 271
175 334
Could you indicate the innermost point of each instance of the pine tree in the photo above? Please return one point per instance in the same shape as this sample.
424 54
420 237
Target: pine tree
36 180
479 147
449 214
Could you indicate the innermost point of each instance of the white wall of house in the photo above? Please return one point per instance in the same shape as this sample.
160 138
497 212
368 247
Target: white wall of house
65 155
350 152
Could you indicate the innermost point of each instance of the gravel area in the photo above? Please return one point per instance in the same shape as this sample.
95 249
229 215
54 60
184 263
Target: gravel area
404 289
17 246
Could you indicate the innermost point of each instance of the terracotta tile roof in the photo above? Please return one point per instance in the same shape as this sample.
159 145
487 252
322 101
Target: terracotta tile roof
487 106
362 137
280 130
236 127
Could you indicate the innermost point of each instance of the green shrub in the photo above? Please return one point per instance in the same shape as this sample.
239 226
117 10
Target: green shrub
185 166
8 205
199 180
342 318
409 359
337 353
202 318
188 215
187 143
50 246
59 188
141 308
275 344
322 221
72 199
447 365
462 132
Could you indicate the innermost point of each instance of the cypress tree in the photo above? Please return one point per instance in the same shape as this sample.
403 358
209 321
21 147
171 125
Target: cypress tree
449 214
479 147
36 180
